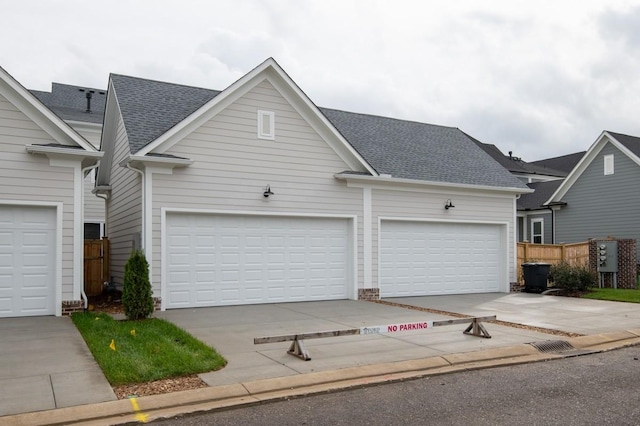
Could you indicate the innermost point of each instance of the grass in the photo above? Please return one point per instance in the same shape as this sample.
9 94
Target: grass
616 295
148 350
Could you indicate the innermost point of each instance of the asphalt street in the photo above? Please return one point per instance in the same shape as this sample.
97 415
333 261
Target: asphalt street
595 389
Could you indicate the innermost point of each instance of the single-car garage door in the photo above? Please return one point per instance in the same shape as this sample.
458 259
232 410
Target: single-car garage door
215 260
426 258
27 260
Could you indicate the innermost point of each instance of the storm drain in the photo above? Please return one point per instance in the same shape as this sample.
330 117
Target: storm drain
560 347
553 346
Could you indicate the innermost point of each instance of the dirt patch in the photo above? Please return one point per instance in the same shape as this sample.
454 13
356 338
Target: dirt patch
109 302
159 387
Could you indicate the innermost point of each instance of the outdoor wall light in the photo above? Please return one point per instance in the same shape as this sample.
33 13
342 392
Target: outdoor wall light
267 191
447 205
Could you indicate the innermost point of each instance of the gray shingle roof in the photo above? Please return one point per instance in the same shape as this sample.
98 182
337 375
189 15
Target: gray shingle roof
632 143
150 108
70 102
535 200
564 163
404 149
412 150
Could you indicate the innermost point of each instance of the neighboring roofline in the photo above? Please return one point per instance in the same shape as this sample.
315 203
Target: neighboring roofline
33 108
388 179
267 70
586 160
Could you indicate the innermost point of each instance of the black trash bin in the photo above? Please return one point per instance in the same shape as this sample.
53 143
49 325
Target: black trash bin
535 276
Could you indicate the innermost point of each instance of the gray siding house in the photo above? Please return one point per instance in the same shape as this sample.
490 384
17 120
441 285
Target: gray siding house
253 194
600 197
43 162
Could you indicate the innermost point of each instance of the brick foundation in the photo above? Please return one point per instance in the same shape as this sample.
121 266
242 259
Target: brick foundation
71 306
627 263
368 294
516 287
156 303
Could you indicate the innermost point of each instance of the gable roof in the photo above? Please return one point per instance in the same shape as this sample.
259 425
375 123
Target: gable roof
33 108
70 102
564 163
157 114
628 145
537 199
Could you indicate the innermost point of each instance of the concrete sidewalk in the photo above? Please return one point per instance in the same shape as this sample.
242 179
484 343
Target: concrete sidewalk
259 372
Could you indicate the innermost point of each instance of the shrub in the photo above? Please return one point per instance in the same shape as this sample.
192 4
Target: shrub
136 292
572 278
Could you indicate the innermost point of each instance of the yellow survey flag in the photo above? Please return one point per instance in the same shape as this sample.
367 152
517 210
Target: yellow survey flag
133 331
113 345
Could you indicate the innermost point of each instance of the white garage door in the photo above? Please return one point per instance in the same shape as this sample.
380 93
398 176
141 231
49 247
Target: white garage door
423 258
217 260
27 261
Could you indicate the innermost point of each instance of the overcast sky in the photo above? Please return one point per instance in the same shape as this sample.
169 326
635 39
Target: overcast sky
541 79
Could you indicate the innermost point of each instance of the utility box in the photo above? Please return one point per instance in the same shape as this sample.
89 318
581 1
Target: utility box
607 255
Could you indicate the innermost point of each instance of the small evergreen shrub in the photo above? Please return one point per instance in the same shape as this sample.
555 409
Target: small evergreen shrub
572 278
137 298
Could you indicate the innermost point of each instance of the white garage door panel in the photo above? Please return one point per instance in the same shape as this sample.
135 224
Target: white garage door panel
27 261
230 260
423 258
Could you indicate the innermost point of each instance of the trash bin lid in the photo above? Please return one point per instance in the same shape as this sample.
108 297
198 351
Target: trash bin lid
536 264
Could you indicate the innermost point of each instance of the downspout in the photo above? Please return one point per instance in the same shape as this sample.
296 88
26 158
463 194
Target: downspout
85 170
553 225
142 200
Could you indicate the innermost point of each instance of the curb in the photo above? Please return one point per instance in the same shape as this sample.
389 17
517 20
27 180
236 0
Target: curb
153 407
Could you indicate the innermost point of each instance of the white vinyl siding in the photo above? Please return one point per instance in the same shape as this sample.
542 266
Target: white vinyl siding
94 207
429 206
124 207
29 177
232 168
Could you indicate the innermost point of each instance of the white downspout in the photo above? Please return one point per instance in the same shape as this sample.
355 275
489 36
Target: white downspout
142 200
86 169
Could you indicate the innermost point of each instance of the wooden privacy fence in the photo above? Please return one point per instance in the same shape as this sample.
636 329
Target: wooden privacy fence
96 265
574 254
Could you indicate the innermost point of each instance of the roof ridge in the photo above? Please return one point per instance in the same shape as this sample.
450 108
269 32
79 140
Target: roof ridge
150 80
389 118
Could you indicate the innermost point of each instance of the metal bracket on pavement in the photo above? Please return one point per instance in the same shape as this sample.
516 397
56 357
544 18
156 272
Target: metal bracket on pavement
299 349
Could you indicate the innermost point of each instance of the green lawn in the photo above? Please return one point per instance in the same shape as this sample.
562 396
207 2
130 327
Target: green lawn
145 351
617 295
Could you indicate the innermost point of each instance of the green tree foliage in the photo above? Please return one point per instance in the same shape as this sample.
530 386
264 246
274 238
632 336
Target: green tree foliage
136 293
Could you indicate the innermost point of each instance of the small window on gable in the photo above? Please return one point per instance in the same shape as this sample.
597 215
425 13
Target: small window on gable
608 164
266 125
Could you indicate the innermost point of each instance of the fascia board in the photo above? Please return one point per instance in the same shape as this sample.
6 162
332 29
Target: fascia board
158 161
582 165
271 71
58 151
40 114
108 137
392 182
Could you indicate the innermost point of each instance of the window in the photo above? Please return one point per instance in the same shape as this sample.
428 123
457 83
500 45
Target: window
266 125
537 234
608 164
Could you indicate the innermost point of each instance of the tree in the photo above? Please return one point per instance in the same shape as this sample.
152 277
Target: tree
136 292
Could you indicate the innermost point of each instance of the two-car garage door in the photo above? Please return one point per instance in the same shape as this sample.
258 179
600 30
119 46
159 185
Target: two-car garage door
431 258
215 260
27 260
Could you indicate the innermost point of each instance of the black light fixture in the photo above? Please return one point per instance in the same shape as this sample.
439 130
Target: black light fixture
267 191
448 205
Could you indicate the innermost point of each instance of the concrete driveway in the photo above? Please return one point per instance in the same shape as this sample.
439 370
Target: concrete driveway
45 364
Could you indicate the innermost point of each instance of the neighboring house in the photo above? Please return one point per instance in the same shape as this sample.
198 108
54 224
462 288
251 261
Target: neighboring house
255 195
42 166
600 197
83 109
563 163
534 219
